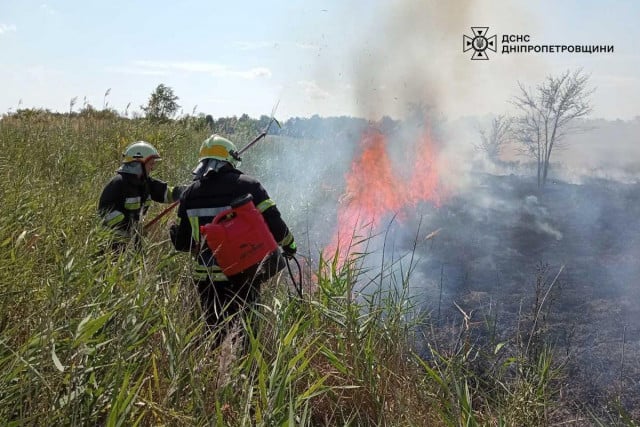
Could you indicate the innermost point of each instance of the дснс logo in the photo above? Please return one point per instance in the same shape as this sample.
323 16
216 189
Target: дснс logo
479 43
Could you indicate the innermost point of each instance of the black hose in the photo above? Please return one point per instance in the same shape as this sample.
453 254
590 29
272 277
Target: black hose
297 285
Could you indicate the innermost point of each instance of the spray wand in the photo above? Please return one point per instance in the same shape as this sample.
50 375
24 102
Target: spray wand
265 131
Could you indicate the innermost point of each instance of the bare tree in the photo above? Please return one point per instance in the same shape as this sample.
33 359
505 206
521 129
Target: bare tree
548 113
493 141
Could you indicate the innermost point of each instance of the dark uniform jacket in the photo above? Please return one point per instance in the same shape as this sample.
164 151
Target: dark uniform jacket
210 195
127 197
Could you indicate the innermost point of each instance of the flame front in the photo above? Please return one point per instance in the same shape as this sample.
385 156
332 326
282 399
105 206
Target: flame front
374 190
425 182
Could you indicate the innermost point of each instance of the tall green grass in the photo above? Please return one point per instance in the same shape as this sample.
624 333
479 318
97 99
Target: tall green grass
93 338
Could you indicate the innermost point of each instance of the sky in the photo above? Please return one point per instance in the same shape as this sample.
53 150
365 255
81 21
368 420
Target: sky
365 58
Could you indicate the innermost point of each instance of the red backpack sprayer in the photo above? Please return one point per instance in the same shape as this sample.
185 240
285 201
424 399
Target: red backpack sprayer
241 241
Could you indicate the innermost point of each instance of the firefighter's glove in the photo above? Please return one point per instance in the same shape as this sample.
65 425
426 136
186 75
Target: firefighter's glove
173 231
177 191
290 250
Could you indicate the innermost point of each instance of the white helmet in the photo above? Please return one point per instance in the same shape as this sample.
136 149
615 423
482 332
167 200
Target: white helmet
140 151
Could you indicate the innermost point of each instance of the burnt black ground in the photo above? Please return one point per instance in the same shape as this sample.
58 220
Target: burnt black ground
494 236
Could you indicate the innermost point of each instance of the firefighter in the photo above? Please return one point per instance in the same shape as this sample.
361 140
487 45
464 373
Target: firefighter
126 198
217 183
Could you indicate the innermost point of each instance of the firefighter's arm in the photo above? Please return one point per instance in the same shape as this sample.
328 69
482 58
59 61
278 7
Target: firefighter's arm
276 224
111 204
180 232
288 244
161 192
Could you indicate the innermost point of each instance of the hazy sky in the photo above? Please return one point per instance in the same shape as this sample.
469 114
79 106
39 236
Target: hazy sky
326 57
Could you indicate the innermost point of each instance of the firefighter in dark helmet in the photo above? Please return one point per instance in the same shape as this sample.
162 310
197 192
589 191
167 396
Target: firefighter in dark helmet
217 184
126 198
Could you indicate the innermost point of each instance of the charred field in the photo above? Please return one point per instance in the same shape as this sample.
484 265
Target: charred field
502 245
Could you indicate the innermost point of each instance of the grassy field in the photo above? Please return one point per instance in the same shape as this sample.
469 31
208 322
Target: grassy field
90 339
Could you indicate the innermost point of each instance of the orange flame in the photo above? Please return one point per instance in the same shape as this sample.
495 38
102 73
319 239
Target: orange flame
374 190
425 182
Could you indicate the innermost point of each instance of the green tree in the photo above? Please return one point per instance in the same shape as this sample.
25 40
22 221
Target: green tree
162 104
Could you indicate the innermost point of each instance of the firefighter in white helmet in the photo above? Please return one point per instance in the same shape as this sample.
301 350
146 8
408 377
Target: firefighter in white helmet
217 183
128 195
